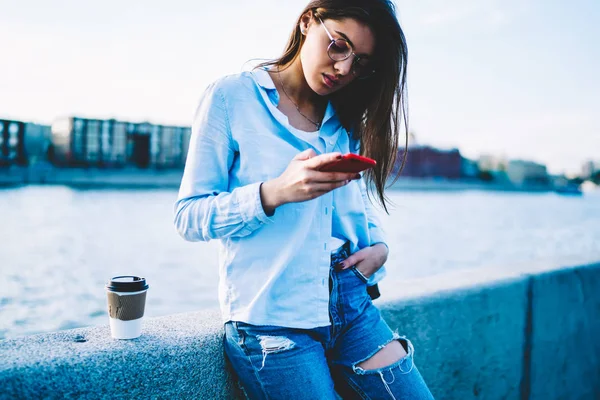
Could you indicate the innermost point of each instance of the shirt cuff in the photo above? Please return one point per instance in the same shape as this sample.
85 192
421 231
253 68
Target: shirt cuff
377 276
377 237
250 206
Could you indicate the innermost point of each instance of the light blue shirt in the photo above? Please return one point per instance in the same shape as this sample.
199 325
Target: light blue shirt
272 270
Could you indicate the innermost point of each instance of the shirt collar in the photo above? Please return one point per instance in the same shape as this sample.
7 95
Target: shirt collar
263 79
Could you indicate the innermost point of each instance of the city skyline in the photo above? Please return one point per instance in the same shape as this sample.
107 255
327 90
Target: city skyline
511 78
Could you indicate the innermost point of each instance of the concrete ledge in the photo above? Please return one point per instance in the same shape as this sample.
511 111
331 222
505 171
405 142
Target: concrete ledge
518 337
468 343
177 356
565 337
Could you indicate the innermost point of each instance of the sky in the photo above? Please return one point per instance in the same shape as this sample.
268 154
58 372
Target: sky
514 78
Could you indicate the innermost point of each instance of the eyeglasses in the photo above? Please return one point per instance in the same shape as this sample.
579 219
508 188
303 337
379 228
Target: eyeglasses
340 50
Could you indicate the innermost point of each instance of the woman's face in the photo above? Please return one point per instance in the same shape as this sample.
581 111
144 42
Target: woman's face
324 75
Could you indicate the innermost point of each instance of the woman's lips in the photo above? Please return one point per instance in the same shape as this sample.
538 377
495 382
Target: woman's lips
329 82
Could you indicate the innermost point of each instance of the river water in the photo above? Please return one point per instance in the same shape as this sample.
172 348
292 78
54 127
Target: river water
59 245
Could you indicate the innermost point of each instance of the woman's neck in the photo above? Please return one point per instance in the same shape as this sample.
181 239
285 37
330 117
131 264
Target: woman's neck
296 87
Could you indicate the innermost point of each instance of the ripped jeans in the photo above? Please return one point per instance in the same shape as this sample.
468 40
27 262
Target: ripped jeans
322 363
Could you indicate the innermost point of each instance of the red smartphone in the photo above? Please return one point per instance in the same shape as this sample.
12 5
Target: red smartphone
350 163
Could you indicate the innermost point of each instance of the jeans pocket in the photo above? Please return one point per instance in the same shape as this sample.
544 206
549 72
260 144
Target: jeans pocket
359 274
234 335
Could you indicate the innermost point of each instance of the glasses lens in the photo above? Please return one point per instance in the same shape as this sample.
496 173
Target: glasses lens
362 68
339 50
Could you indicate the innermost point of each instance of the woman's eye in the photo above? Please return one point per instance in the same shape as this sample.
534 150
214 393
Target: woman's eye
340 46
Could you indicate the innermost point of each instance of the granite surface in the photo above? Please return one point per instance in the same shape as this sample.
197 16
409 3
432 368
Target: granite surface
513 336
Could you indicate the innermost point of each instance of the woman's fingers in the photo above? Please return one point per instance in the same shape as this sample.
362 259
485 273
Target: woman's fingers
353 259
323 159
317 162
320 188
335 176
305 155
302 180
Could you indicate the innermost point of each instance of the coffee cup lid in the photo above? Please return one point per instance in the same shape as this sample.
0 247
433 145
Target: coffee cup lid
127 283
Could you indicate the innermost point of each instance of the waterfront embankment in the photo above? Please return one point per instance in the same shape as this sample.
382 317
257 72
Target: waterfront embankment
45 174
485 334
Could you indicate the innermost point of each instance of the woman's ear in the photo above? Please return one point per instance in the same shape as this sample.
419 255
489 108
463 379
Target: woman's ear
305 22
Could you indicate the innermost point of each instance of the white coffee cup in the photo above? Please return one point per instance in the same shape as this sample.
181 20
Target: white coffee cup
126 297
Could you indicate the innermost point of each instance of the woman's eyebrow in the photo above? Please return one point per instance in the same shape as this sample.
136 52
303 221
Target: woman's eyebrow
342 34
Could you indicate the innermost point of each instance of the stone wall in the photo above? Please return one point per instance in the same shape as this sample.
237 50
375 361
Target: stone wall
496 336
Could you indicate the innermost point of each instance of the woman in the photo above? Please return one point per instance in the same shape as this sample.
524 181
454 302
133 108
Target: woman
301 250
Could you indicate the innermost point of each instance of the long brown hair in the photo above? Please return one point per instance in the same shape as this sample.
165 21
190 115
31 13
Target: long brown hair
374 108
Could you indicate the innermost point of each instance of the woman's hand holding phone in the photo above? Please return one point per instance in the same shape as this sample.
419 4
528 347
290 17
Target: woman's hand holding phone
350 163
303 180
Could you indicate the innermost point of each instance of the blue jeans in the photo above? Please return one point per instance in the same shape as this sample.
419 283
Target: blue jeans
322 363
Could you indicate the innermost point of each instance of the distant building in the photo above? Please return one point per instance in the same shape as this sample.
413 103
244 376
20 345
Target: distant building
469 168
428 162
37 141
22 142
558 180
589 168
12 143
112 143
492 168
492 163
521 172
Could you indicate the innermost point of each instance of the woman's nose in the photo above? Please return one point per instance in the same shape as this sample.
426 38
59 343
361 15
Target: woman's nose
344 67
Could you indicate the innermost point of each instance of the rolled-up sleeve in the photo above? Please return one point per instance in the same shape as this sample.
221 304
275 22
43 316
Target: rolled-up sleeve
376 232
205 209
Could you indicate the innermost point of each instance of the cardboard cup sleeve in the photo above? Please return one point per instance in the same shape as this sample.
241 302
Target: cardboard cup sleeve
126 307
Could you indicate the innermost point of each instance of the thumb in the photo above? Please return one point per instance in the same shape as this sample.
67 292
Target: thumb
305 155
319 161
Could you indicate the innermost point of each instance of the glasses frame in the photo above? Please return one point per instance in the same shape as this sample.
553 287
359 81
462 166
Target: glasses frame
357 58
